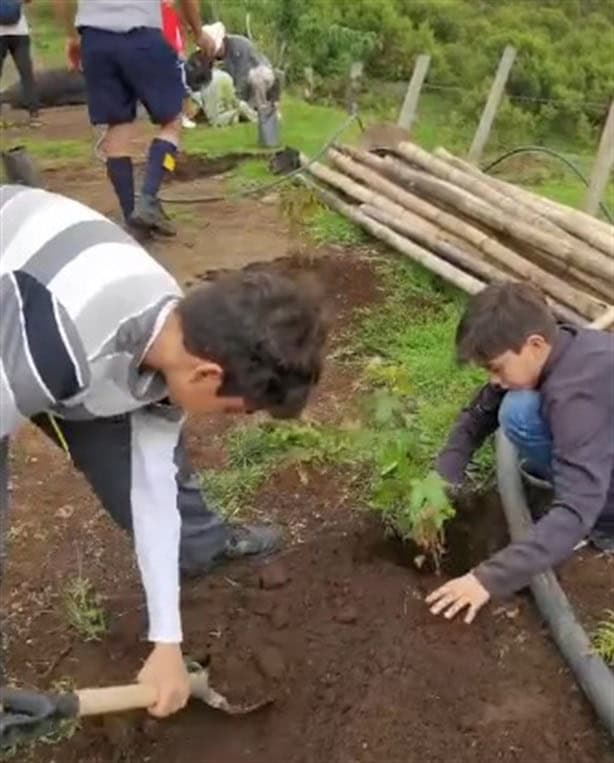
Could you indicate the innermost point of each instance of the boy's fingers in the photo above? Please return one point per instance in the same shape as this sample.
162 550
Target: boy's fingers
443 603
470 616
456 607
437 594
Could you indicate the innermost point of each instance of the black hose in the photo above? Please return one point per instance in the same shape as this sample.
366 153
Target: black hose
592 674
556 155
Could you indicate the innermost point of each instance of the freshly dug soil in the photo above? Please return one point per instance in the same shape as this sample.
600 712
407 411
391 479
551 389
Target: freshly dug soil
335 629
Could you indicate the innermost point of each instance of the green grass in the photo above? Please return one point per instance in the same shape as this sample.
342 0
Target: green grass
52 154
47 36
327 227
603 638
304 126
256 451
414 330
83 609
249 174
571 192
73 150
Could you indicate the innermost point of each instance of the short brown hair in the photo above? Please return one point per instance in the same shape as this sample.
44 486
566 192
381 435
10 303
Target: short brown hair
501 318
266 331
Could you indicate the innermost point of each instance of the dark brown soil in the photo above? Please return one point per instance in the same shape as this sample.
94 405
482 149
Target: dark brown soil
191 167
337 633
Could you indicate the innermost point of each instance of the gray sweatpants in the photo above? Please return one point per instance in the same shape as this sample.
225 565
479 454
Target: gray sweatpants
101 451
19 48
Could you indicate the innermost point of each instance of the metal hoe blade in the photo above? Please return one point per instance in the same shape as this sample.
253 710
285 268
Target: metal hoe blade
203 691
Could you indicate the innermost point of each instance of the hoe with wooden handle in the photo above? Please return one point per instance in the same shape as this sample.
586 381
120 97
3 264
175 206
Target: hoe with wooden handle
27 714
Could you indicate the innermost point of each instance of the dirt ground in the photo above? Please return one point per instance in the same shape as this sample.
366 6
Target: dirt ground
334 629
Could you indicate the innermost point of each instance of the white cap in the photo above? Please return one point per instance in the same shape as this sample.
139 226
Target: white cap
216 32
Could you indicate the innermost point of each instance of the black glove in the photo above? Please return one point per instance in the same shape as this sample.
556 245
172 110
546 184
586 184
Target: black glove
27 714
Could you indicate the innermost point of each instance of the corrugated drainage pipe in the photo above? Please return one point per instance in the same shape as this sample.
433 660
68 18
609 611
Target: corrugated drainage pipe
591 672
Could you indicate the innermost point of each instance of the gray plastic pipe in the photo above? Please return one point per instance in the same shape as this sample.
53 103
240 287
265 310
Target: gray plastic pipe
592 674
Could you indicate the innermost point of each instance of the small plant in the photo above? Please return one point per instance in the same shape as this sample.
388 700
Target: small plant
603 638
412 507
415 509
83 609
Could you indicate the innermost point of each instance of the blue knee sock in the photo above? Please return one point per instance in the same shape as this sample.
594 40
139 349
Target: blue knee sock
121 175
161 159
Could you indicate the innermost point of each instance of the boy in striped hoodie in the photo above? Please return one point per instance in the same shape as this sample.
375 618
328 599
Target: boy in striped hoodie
98 343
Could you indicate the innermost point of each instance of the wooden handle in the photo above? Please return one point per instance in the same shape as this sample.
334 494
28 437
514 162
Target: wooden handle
118 699
115 699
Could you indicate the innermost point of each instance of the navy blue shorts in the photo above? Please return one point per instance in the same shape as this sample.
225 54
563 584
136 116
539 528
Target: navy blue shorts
122 69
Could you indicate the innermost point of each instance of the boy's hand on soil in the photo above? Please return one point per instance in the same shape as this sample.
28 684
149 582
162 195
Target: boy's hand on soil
458 594
166 672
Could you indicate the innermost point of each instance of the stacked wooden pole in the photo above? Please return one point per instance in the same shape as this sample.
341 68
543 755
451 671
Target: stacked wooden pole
472 229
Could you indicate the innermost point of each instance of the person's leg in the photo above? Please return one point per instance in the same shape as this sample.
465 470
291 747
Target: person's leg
521 420
101 451
152 69
261 79
120 169
4 49
186 121
111 101
23 61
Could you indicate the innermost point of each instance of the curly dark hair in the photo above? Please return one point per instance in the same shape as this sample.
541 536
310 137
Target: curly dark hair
266 331
501 318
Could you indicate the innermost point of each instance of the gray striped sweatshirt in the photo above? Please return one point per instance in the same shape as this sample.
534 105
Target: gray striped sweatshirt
80 304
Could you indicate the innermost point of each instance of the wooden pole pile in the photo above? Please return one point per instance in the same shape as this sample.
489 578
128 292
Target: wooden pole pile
472 229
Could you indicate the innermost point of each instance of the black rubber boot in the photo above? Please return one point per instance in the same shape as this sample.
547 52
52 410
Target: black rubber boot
252 540
149 215
20 169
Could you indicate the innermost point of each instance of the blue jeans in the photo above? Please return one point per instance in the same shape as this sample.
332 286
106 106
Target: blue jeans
521 420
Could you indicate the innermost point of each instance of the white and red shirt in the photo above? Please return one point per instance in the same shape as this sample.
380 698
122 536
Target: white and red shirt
171 28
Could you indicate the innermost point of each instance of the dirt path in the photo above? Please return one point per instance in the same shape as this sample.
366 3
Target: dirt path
360 672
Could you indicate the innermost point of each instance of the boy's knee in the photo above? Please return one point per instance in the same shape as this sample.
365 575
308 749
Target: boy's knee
520 411
118 140
171 130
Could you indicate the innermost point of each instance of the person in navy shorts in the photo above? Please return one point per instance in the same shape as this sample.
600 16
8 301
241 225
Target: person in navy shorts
125 59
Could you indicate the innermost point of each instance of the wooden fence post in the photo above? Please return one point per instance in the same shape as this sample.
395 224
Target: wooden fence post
353 89
604 161
492 104
310 83
410 104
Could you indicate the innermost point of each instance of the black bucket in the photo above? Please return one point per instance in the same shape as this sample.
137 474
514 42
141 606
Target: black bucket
268 126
